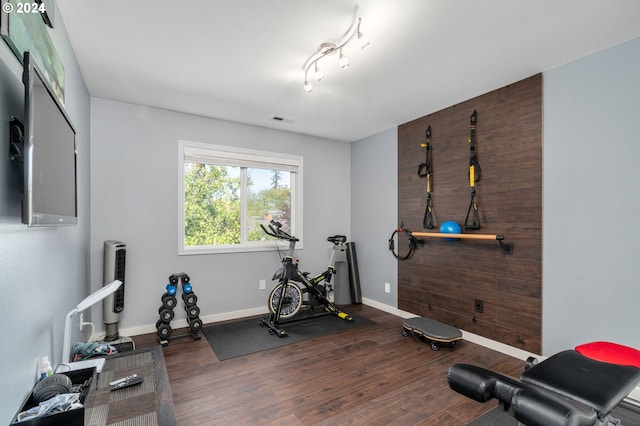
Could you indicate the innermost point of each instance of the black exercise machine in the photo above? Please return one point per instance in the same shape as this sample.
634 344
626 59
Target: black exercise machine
567 389
286 299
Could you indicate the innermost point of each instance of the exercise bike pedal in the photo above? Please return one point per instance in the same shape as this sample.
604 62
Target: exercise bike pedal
345 316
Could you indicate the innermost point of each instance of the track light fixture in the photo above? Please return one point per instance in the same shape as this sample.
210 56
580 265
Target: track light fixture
330 48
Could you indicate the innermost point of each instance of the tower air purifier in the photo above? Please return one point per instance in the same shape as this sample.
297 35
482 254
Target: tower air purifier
114 266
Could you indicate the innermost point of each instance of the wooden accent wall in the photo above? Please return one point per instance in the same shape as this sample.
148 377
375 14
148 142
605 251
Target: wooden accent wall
443 278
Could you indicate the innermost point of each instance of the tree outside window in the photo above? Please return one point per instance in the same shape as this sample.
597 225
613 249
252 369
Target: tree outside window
227 195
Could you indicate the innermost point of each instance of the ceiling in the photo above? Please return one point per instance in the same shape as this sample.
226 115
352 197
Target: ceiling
241 60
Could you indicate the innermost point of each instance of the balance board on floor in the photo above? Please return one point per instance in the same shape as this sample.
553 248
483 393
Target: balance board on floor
437 332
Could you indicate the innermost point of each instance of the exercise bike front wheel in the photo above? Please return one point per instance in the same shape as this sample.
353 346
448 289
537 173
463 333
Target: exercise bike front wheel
291 301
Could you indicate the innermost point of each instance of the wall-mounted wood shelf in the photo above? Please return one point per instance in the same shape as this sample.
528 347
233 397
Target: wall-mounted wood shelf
507 247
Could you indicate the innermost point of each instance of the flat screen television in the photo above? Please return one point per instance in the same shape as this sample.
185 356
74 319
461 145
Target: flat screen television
50 184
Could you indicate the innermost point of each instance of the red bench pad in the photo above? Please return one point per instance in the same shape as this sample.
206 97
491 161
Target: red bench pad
612 353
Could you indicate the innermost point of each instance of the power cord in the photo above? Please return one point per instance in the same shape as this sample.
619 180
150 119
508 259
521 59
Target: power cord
82 324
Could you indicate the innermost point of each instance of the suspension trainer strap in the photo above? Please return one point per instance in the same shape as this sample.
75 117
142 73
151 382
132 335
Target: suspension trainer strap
472 220
474 165
425 171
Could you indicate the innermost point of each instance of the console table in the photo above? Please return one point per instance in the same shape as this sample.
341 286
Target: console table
148 403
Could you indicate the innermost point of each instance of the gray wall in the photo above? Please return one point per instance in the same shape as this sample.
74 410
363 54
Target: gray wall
590 213
374 213
134 188
591 205
45 272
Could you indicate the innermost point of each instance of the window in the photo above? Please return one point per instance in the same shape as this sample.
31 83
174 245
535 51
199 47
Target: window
225 194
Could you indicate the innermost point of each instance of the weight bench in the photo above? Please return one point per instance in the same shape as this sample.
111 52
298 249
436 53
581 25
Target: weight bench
567 389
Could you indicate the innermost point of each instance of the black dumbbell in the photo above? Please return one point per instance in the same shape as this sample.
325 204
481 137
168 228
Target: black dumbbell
195 325
192 311
164 331
166 315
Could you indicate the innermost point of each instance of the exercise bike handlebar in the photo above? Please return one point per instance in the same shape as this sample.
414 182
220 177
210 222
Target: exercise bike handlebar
276 231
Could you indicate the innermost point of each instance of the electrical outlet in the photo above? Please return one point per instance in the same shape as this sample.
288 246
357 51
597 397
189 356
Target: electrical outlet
262 285
387 287
478 306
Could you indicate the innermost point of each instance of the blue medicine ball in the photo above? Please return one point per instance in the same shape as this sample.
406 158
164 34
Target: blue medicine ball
450 227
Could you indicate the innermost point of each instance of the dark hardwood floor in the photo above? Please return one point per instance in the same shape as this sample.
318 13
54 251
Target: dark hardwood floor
371 375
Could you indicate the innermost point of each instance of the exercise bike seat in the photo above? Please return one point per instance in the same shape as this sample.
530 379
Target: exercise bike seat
337 239
598 384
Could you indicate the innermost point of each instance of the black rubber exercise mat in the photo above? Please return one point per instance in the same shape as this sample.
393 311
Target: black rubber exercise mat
242 337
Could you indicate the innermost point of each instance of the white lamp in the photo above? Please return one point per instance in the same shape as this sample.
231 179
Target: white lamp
89 301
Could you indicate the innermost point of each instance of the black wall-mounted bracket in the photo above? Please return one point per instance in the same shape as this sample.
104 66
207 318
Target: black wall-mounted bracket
16 140
507 247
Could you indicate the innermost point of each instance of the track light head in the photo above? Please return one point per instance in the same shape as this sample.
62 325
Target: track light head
343 61
318 72
330 48
308 87
363 41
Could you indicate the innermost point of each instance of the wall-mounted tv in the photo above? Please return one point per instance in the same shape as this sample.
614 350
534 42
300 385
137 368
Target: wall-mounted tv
50 185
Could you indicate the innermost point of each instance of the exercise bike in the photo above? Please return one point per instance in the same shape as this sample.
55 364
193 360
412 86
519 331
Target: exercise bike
296 290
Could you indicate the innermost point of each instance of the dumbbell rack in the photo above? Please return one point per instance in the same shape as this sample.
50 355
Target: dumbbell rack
169 302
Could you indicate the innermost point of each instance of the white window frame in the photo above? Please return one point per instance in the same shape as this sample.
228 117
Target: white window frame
217 154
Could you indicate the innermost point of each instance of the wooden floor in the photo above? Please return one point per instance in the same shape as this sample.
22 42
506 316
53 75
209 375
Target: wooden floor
371 375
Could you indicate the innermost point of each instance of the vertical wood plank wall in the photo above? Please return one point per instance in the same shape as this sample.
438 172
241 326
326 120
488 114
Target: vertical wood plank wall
443 278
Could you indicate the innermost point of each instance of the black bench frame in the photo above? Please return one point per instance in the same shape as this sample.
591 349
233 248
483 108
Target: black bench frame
567 389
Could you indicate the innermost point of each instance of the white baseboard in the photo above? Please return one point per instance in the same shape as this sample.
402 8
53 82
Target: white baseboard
635 394
387 308
474 338
500 347
207 319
